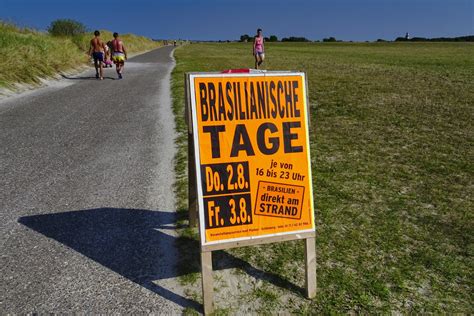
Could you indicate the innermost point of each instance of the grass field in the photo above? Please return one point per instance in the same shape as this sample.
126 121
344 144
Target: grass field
392 159
28 55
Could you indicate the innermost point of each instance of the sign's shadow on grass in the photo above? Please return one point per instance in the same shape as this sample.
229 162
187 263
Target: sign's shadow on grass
133 243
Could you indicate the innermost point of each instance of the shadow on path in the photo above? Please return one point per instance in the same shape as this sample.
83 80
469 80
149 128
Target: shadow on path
131 243
84 77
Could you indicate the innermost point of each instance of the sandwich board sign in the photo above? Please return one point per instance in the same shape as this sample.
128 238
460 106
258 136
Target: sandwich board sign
250 143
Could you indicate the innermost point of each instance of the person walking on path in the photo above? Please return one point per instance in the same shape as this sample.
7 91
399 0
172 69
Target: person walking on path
96 51
119 54
258 49
108 55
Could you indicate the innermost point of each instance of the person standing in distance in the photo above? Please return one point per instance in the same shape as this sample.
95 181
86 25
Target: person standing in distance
119 54
96 51
258 49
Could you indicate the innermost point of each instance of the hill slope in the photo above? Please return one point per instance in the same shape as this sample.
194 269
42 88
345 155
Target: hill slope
28 55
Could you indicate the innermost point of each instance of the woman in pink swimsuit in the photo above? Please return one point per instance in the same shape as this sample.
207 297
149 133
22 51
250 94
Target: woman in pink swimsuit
258 50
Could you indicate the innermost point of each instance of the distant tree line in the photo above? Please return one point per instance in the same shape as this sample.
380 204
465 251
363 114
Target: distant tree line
247 38
469 38
273 38
295 39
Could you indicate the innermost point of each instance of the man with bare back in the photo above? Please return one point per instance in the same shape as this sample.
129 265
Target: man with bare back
119 54
97 50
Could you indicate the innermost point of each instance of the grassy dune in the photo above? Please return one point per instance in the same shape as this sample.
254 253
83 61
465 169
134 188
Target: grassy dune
133 43
28 55
391 139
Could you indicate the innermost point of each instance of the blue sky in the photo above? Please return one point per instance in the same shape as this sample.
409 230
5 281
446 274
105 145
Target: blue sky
357 20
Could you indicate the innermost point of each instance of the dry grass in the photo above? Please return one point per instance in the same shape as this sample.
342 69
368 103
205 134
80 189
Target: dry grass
28 55
392 152
133 43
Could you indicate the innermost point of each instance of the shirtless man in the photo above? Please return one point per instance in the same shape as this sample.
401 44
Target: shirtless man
119 54
96 50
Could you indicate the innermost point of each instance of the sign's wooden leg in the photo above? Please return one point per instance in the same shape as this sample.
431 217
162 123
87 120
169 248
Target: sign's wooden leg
310 258
192 198
192 193
207 282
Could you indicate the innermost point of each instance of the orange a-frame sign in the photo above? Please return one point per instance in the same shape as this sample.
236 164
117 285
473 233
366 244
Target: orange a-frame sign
252 156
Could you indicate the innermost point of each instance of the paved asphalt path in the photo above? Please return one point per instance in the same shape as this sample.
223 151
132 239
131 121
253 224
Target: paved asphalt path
86 198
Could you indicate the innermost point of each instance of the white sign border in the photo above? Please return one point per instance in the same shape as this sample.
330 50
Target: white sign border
200 196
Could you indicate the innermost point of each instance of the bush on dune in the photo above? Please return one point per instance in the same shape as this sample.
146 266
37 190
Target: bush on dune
66 27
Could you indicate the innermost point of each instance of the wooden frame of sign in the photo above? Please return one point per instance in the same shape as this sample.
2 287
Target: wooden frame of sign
294 89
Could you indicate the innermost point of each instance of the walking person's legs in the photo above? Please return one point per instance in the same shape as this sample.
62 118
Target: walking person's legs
119 61
258 61
119 69
101 66
261 57
96 65
98 59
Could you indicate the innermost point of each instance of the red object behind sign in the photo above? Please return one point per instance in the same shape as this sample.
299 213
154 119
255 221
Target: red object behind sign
237 71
